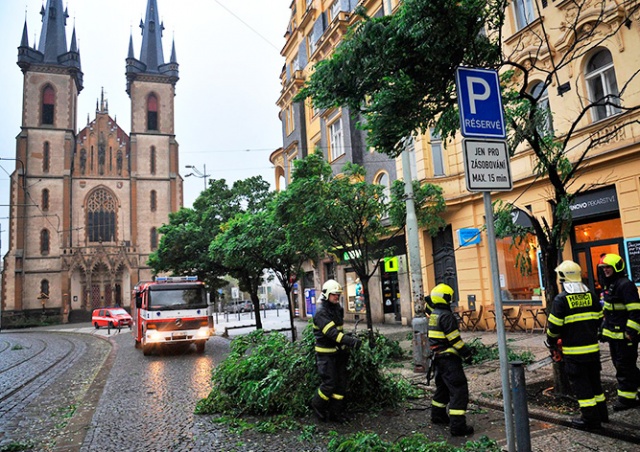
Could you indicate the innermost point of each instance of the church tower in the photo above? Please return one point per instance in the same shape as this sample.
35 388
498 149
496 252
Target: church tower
151 85
86 207
39 218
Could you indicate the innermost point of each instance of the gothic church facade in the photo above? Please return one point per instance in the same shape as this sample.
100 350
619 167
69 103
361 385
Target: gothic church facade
86 205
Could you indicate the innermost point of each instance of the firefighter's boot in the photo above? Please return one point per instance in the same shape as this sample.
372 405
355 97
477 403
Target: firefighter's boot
459 426
336 411
590 419
439 415
603 412
320 407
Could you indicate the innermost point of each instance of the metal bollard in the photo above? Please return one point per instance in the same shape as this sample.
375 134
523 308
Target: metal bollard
520 408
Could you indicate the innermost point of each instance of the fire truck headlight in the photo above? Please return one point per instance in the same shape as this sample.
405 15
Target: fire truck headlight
203 332
154 336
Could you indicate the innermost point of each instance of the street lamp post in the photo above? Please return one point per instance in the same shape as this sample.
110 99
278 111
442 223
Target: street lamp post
197 173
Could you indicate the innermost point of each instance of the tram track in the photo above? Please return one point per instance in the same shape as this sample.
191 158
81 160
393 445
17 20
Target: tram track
24 379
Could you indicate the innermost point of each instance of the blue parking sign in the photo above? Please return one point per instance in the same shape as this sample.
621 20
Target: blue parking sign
480 103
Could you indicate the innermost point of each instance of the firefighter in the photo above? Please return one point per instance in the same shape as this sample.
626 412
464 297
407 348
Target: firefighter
331 354
621 328
448 353
575 319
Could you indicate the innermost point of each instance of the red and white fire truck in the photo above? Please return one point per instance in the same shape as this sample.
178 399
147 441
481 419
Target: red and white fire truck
171 310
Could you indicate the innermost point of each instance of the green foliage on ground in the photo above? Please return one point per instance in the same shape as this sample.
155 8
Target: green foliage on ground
490 353
266 374
371 442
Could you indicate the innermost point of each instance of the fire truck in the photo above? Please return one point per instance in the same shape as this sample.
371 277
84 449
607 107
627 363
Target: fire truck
171 310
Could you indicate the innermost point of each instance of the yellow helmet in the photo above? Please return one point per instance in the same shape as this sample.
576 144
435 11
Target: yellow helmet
612 260
331 286
441 294
569 271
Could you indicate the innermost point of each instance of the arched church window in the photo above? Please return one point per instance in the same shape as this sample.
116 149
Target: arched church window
101 216
152 112
44 242
154 239
45 199
154 201
46 157
48 102
152 160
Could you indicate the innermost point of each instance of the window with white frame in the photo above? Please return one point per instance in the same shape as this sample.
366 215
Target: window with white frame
437 155
602 86
335 10
383 179
524 11
336 139
539 92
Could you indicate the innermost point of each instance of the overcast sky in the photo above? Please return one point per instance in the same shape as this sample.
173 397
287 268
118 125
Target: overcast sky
230 63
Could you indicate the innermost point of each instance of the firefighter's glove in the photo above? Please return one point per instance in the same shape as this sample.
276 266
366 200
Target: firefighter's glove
351 341
467 355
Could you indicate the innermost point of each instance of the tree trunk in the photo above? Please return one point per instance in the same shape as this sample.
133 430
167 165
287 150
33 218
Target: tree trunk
256 309
287 290
367 304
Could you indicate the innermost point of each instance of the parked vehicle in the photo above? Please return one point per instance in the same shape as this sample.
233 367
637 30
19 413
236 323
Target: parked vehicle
111 317
171 310
235 307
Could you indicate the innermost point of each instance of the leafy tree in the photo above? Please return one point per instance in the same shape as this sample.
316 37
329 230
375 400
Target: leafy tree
184 245
346 214
232 245
398 72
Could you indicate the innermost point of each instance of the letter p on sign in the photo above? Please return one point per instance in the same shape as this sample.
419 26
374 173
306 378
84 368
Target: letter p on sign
477 94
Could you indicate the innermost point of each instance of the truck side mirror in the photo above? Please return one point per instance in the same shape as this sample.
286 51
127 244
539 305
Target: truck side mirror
138 301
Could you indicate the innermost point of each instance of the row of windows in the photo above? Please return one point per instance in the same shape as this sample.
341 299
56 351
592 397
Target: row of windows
153 200
49 100
95 230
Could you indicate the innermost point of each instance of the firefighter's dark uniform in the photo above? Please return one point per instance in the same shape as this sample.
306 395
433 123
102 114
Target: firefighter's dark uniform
575 318
621 321
451 383
331 359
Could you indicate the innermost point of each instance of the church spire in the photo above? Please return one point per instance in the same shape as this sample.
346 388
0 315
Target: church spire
52 48
151 52
151 55
53 38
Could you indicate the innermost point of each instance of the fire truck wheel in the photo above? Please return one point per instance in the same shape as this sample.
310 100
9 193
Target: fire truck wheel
137 344
200 346
146 349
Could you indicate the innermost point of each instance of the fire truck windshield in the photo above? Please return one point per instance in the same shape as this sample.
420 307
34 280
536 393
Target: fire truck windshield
165 298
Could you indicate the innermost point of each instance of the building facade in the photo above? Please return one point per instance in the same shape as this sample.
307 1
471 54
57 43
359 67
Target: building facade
86 205
314 30
605 215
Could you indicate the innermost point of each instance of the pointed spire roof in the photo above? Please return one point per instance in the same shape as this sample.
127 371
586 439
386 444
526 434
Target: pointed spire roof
53 38
130 53
74 43
151 52
173 58
25 36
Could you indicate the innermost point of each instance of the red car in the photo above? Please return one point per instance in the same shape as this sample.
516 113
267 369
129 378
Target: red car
111 317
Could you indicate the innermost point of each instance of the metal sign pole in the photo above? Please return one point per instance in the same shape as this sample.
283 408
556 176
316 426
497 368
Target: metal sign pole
502 340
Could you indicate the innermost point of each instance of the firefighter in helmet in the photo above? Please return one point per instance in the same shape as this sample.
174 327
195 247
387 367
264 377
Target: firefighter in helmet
331 354
448 353
575 318
621 328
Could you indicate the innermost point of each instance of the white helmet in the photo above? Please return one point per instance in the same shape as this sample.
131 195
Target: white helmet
331 286
569 271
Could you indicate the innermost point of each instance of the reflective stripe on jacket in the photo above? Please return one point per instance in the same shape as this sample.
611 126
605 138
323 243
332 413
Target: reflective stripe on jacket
327 326
444 335
575 318
621 309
